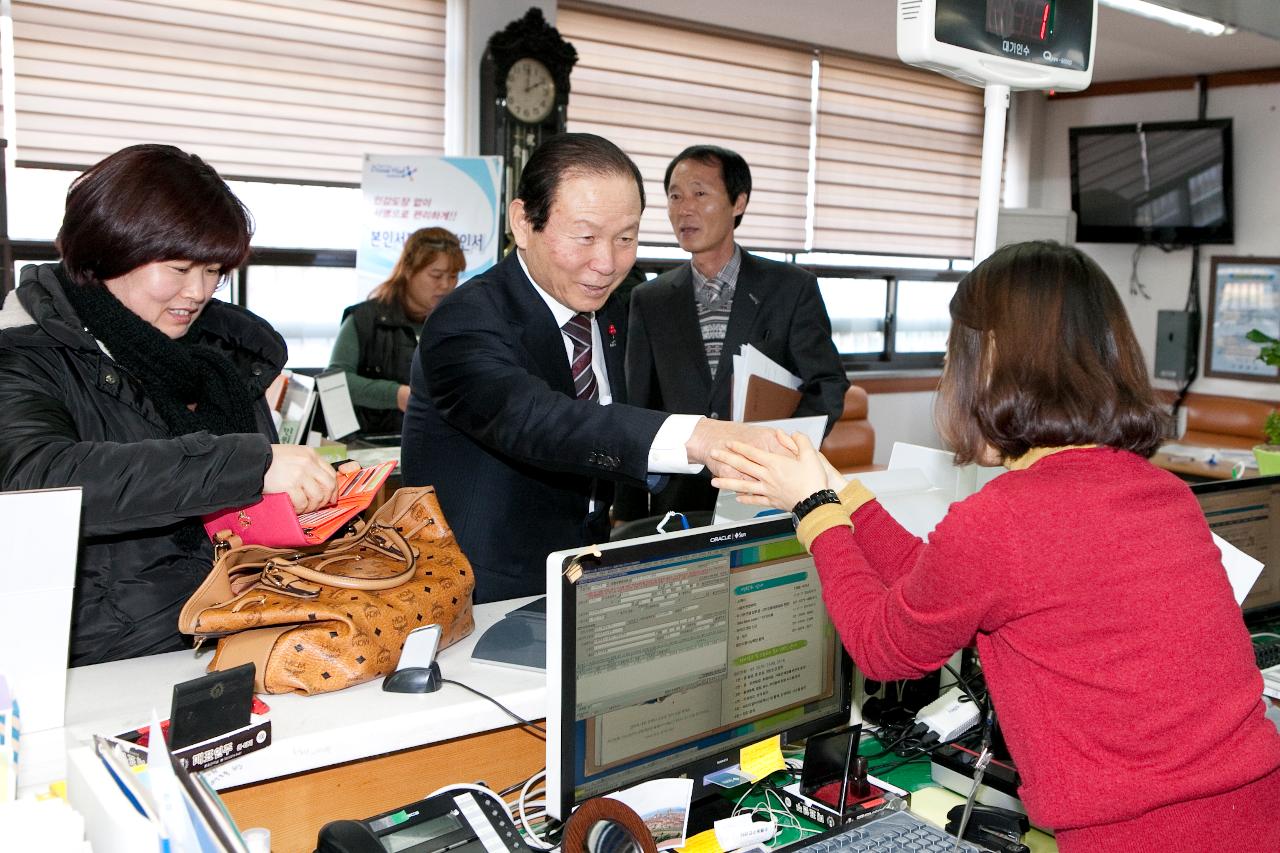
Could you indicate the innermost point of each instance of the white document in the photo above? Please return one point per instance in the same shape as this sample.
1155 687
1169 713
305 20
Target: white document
939 468
917 489
1242 570
171 802
40 530
335 402
751 362
813 426
727 507
921 483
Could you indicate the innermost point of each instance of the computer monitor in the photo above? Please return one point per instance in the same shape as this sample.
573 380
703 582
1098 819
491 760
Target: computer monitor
1246 513
668 654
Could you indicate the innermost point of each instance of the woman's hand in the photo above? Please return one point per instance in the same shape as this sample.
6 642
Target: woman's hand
402 398
835 480
299 472
777 480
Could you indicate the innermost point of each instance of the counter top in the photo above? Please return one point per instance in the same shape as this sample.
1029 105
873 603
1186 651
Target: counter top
307 732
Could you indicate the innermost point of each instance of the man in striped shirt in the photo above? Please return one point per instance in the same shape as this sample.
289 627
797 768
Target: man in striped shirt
687 324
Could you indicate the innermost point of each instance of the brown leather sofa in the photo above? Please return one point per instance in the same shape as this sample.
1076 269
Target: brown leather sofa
851 444
1225 421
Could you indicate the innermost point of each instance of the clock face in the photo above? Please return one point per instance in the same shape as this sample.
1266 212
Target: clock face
531 91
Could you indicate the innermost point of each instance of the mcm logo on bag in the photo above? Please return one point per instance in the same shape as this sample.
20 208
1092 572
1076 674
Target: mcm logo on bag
322 618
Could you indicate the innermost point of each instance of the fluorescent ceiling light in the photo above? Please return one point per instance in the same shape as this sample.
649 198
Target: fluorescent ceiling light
1194 23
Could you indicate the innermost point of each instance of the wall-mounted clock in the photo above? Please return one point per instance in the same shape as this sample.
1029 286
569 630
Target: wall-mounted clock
531 90
524 92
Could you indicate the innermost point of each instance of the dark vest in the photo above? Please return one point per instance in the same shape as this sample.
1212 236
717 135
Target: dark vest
388 340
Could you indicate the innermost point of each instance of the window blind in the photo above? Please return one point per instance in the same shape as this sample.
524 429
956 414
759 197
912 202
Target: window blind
274 89
655 89
898 158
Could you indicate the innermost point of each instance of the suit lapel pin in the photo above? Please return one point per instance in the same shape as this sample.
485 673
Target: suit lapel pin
613 335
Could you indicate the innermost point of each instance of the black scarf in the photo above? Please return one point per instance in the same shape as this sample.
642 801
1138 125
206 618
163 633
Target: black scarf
175 373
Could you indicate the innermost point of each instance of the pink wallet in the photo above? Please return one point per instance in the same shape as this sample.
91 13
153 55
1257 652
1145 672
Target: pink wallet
271 522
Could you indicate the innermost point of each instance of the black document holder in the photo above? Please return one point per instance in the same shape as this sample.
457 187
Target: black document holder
211 705
828 759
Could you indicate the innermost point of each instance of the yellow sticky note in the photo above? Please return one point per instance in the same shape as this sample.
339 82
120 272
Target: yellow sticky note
760 759
703 842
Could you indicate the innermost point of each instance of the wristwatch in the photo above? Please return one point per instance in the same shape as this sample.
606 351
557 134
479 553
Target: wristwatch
815 500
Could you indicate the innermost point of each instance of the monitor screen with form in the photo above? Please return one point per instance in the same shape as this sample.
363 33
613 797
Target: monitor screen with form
1246 513
671 653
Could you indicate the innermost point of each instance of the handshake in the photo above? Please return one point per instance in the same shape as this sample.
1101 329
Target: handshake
766 467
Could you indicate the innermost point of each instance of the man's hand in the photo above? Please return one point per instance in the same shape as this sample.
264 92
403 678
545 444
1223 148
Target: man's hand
779 480
712 435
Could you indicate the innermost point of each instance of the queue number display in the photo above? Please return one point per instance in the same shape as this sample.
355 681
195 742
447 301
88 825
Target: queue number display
1022 44
1052 33
1024 20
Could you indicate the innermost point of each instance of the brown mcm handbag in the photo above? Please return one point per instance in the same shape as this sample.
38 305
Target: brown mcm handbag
325 617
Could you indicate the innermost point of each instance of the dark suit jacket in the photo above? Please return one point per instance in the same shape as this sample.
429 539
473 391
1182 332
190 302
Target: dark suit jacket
493 424
777 308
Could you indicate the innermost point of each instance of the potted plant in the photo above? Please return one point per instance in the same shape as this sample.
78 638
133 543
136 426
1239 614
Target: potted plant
1268 455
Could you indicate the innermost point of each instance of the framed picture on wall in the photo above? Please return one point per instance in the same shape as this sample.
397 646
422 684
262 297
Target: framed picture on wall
1244 294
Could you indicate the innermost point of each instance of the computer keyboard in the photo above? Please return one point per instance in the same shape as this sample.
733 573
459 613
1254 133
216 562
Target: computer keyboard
895 831
1267 655
1271 682
1268 658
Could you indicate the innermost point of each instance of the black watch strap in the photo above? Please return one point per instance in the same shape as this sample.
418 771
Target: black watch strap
815 500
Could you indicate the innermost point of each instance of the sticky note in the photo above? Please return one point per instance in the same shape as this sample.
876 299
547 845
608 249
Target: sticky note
703 842
760 759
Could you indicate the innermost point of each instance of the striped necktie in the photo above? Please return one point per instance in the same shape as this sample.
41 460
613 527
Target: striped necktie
584 378
713 287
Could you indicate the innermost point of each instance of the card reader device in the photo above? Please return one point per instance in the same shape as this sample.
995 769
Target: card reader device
461 819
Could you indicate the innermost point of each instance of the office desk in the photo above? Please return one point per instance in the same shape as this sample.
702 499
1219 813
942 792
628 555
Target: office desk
352 753
1205 463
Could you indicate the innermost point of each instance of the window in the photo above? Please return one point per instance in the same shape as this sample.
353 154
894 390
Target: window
898 156
923 319
260 90
887 317
857 307
303 303
292 215
282 99
852 159
656 88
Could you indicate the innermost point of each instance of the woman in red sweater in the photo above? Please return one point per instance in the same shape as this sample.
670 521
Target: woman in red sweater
1111 643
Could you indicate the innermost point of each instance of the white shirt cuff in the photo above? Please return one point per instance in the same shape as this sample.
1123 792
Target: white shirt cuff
667 454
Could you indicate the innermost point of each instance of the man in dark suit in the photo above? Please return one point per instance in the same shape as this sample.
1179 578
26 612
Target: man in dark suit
515 411
687 324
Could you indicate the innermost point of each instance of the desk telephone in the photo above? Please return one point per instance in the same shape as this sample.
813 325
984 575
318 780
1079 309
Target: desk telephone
459 819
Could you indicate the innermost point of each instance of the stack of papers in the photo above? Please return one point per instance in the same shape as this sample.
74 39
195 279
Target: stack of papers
762 388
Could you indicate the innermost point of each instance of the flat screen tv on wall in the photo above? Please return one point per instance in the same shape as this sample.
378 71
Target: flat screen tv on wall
1165 182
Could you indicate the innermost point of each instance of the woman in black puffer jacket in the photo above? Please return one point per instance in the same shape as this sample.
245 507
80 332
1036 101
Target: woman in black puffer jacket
120 374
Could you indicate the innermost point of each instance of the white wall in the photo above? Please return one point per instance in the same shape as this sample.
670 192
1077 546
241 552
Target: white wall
1256 127
901 417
